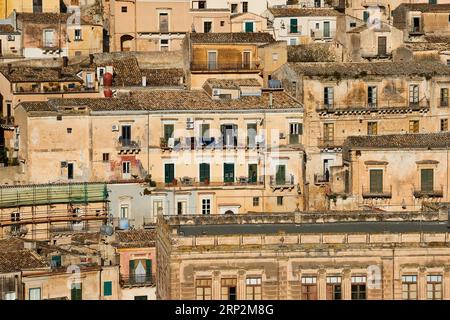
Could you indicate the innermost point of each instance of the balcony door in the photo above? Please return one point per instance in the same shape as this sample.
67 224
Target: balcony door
169 172
280 177
246 59
426 180
382 44
252 173
212 60
204 173
126 134
328 131
37 6
326 29
164 22
228 172
376 181
416 24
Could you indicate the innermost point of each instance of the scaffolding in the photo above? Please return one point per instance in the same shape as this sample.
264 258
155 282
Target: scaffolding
35 211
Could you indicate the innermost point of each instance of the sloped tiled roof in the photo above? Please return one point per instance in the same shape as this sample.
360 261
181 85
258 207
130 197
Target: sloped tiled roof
327 69
425 7
163 77
50 18
236 37
135 238
37 74
304 12
177 100
231 83
6 28
13 261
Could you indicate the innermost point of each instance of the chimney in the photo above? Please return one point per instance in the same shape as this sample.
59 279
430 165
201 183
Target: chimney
270 99
9 68
91 59
144 81
65 62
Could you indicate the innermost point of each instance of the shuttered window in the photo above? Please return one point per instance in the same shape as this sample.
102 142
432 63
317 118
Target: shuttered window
414 126
372 128
426 180
414 94
76 292
107 288
204 173
376 180
294 26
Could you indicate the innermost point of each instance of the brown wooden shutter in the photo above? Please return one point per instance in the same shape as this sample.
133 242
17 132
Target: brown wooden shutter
426 178
376 181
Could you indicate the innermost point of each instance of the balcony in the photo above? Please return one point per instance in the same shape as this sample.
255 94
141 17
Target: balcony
215 66
370 108
149 223
282 184
426 193
194 183
192 143
128 146
317 34
386 192
320 179
330 143
7 121
133 281
443 103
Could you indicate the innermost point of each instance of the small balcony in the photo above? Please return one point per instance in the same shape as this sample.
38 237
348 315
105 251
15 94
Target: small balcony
321 179
7 121
429 193
192 143
128 146
443 103
240 181
215 66
385 192
132 281
282 184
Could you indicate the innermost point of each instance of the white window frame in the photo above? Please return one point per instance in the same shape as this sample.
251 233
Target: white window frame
35 290
210 205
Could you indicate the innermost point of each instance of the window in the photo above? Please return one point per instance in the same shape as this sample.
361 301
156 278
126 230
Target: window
434 287
126 167
105 157
448 62
124 211
295 129
414 126
280 175
253 289
228 172
409 287
352 24
212 60
326 29
444 97
328 131
251 135
229 134
328 97
56 261
206 206
376 180
244 6
228 289
413 94
70 171
372 96
107 288
169 173
222 23
140 298
359 288
203 289
426 180
164 22
252 173
234 8
168 132
334 288
293 26
49 38
444 124
158 208
382 46
207 26
77 35
76 292
255 201
249 26
309 288
279 200
69 130
181 207
292 41
34 294
372 128
125 138
204 169
124 9
164 45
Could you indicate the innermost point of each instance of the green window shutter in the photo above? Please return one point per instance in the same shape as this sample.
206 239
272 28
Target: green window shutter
204 172
148 269
107 288
376 181
131 268
253 173
169 172
249 27
228 172
76 292
294 26
426 180
281 174
56 261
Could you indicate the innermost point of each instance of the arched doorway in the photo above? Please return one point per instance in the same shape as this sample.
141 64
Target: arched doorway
126 42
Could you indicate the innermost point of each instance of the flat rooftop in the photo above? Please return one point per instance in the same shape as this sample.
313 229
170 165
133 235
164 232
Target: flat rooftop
301 228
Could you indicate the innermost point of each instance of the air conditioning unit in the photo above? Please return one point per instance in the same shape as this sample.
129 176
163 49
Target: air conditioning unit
115 127
11 38
63 164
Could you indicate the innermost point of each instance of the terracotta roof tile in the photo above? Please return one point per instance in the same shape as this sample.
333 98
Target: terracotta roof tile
163 77
425 7
304 12
49 18
237 37
135 238
231 83
6 28
36 74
